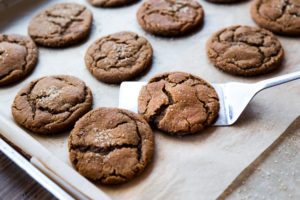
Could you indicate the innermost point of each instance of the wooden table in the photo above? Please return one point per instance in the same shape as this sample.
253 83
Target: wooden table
16 184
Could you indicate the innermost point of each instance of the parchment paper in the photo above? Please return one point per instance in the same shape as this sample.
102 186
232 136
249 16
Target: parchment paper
274 174
194 167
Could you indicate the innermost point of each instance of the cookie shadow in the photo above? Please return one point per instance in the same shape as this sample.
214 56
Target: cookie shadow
235 2
120 6
199 137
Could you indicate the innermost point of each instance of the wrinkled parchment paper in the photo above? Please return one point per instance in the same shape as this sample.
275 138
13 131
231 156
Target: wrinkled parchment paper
193 167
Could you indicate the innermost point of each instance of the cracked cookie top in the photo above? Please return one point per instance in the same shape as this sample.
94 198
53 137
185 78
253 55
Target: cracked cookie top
278 16
110 3
18 56
51 104
61 25
118 57
244 50
170 17
178 103
111 145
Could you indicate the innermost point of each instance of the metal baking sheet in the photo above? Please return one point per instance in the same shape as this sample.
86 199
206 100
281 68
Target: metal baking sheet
194 167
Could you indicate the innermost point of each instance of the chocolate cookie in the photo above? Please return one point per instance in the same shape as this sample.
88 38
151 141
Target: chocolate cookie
111 145
178 103
170 17
244 50
61 25
18 56
118 57
51 104
278 16
110 3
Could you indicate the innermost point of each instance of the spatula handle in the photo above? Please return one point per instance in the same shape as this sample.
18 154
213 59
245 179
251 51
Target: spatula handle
278 80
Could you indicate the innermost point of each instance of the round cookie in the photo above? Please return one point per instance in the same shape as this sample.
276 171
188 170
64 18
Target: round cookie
18 57
111 145
110 3
118 57
61 25
278 16
178 103
51 104
170 17
245 50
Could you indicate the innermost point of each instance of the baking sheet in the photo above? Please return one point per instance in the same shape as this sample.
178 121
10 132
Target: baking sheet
194 167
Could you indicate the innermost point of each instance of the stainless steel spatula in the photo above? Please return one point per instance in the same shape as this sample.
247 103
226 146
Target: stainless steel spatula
233 96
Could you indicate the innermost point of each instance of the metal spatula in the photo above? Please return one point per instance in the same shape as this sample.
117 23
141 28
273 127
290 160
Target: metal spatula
233 96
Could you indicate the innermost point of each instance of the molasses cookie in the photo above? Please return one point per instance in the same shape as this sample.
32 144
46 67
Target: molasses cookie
110 3
278 16
118 57
110 145
178 103
51 104
170 17
61 25
244 50
18 56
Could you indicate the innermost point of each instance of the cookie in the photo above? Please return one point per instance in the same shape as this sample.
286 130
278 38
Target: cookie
170 17
111 145
245 50
61 25
118 57
51 104
18 57
278 16
110 3
178 103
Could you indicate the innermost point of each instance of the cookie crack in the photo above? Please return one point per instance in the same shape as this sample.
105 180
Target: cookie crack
207 110
101 150
161 111
139 146
114 174
7 74
148 100
63 28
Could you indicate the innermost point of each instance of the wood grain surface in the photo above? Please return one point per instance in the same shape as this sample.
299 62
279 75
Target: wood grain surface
15 184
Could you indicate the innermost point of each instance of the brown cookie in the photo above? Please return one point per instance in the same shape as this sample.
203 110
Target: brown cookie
110 3
170 17
18 57
51 104
278 16
111 145
118 57
61 25
244 50
178 103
